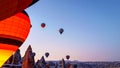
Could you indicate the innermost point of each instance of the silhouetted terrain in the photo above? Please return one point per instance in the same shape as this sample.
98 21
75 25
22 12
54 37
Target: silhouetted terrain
27 61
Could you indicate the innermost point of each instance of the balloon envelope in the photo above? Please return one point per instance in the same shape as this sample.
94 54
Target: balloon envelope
67 57
15 5
43 25
61 30
13 32
46 54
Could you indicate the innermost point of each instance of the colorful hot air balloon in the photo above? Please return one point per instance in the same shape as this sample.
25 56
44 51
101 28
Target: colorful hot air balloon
15 5
13 32
43 25
67 57
61 30
46 54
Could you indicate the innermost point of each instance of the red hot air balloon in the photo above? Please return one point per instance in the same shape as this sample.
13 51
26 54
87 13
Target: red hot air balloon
15 5
43 25
46 54
67 57
13 32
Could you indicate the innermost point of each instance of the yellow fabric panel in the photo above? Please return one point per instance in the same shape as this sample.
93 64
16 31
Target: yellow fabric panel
4 55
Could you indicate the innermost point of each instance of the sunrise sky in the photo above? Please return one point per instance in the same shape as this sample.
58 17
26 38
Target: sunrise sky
91 29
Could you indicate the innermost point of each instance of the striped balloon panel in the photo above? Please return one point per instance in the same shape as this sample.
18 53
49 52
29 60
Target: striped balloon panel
13 32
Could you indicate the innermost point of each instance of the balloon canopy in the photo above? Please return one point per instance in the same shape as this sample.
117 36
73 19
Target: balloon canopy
43 25
47 54
15 5
61 30
67 57
13 32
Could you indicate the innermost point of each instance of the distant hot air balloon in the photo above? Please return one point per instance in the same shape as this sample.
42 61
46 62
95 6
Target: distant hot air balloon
43 25
61 30
67 57
13 32
46 54
15 5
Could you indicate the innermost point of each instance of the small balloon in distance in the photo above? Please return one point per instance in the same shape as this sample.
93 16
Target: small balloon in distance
67 57
43 25
47 54
61 30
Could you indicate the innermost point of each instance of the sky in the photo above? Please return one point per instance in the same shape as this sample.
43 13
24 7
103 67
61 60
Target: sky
91 30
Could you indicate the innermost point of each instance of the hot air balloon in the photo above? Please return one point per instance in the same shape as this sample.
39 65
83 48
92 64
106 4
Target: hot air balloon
43 25
46 54
67 57
13 32
15 5
61 30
